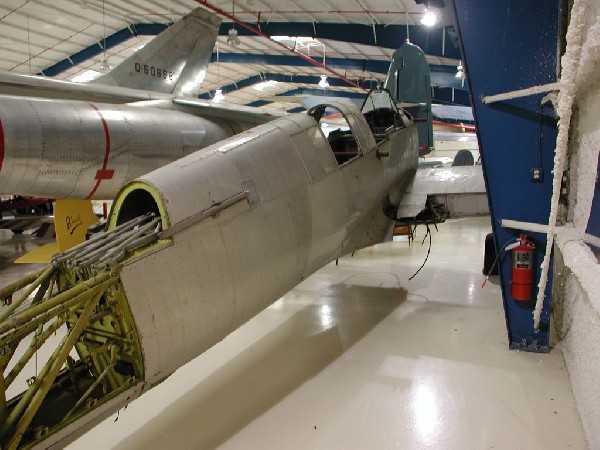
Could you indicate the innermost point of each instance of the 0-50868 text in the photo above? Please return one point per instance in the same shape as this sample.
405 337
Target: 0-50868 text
152 71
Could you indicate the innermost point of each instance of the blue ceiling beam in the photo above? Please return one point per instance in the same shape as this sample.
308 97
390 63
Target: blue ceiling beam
314 79
446 96
311 92
246 82
440 95
281 78
140 29
293 60
325 93
259 103
443 94
436 41
447 79
390 36
439 75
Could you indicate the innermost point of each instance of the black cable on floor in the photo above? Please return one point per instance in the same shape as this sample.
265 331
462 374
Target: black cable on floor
428 250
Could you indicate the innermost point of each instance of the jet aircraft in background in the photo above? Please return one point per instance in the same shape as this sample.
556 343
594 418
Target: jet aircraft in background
75 141
66 140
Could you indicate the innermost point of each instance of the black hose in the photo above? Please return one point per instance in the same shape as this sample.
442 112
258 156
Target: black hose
428 250
506 244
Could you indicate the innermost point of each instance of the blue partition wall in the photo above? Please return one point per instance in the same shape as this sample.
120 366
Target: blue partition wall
510 45
593 226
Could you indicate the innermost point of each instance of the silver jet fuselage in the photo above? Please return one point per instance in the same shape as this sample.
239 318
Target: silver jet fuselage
83 150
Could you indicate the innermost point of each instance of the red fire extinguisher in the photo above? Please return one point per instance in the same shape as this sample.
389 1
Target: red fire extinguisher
522 269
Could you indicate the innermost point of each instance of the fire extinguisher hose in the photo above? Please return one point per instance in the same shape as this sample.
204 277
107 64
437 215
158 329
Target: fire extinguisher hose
508 245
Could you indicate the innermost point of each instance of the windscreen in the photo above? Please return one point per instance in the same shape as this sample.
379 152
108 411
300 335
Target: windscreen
378 100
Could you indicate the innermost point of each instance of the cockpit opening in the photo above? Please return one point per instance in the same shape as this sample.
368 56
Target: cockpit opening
338 132
137 203
381 114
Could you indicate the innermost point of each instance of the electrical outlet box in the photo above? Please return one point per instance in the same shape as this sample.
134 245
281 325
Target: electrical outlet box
537 175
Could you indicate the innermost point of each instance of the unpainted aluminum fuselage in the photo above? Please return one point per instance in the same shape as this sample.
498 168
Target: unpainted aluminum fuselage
242 222
300 210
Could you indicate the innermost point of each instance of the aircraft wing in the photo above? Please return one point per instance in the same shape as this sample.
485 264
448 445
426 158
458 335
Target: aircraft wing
452 192
18 224
35 86
308 101
228 111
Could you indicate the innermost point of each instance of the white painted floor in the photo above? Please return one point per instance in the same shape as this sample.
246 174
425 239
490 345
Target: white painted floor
359 357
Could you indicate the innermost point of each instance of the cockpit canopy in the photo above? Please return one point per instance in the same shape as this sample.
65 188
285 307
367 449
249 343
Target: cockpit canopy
352 134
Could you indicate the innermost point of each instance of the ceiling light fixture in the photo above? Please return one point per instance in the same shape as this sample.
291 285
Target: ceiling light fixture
104 65
218 92
218 96
459 70
323 83
429 18
233 39
265 84
88 75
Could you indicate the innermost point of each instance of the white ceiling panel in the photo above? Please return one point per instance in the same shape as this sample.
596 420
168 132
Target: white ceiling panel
36 34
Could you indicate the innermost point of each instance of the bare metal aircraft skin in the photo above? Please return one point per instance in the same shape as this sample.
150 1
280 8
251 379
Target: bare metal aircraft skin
198 247
73 149
194 247
85 141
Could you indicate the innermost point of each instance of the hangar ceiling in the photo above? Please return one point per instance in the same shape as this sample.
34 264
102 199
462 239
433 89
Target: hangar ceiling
355 39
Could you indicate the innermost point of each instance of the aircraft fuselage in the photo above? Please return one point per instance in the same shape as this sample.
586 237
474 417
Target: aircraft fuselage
84 150
236 225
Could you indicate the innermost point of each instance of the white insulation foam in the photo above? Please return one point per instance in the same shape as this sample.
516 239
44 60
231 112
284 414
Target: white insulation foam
566 96
581 320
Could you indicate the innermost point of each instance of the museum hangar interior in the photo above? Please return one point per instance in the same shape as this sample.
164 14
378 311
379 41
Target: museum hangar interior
289 308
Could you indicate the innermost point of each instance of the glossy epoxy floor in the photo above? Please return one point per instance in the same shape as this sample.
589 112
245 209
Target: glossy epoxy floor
359 357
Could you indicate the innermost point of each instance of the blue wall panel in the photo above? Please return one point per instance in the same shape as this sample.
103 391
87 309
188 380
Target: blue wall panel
512 45
593 226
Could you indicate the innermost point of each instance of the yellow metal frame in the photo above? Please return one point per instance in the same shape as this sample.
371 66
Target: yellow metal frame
81 292
99 326
124 193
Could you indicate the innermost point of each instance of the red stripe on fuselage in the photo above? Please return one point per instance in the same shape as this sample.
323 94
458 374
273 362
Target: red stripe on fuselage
103 173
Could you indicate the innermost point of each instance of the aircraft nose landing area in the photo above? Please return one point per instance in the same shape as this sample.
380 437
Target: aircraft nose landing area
357 356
